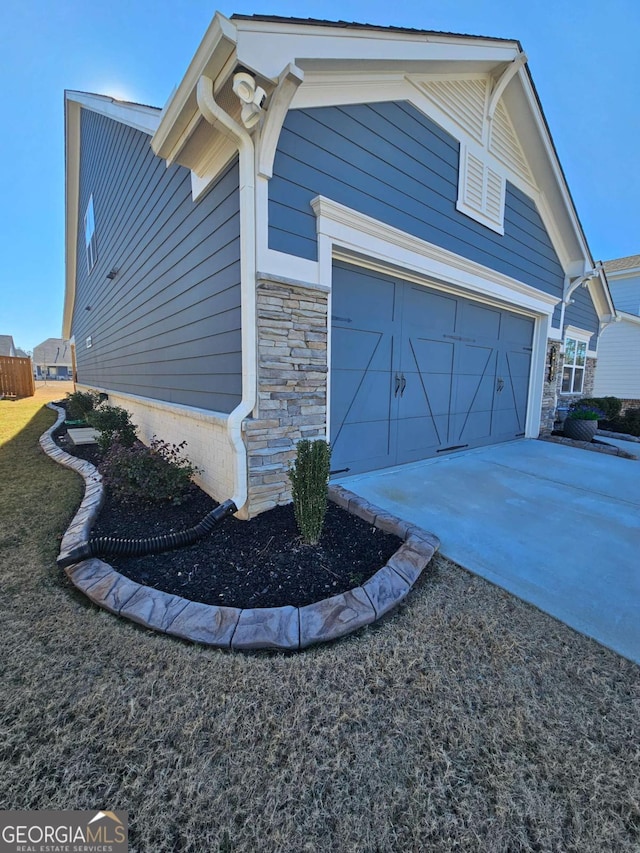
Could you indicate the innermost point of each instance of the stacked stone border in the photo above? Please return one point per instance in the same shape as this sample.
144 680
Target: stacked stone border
280 628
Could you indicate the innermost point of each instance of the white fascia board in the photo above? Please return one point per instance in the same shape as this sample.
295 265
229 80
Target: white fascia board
625 317
213 53
72 188
616 275
137 116
349 230
267 46
554 164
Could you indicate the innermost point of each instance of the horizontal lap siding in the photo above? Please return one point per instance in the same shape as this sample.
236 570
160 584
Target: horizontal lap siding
581 313
393 163
617 371
626 294
168 326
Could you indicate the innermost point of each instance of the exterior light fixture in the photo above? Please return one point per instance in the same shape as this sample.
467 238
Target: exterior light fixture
252 97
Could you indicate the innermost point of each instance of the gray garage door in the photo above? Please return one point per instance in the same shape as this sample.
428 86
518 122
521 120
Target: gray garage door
416 372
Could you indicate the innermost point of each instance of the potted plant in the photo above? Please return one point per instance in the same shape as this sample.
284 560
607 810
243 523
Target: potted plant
581 423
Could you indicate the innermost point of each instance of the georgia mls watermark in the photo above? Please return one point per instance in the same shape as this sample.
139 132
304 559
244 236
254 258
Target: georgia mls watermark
64 832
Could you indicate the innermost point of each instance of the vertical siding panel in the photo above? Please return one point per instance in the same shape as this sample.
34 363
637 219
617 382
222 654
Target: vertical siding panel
168 326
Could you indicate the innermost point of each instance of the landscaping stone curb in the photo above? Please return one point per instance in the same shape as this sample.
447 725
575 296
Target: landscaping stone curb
277 628
608 450
623 436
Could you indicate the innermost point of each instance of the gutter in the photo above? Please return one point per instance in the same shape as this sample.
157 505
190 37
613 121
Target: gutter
213 113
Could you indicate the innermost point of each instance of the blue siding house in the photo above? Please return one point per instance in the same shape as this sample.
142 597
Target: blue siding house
331 230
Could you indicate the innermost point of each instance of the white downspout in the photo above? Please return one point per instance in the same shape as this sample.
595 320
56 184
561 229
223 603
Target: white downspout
215 115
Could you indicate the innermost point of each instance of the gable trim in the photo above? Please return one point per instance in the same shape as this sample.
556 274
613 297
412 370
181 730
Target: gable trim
137 116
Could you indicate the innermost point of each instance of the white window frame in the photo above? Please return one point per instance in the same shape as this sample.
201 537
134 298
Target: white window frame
90 235
580 341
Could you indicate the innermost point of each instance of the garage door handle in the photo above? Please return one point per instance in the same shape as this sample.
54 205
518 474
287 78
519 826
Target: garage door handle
398 380
404 385
500 384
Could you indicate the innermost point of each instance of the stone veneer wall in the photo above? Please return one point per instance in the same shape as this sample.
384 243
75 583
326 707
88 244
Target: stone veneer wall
292 385
551 396
550 391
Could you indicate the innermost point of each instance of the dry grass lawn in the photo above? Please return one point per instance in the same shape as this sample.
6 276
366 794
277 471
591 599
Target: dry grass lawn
467 721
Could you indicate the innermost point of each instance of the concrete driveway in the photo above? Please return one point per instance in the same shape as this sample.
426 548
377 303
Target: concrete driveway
557 526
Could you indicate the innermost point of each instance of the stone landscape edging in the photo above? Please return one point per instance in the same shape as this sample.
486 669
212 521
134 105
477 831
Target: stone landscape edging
285 628
607 449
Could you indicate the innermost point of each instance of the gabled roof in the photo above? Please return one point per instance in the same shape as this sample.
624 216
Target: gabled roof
52 351
6 345
622 264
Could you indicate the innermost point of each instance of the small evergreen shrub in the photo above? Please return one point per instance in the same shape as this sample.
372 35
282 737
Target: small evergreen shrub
80 403
114 424
159 473
610 406
309 477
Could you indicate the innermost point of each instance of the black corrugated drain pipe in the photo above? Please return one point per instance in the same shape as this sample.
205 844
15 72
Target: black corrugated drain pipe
152 544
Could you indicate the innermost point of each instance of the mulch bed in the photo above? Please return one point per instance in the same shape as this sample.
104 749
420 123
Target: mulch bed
257 563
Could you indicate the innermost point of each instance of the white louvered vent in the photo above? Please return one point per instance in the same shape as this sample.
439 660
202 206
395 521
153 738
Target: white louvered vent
462 100
504 144
481 191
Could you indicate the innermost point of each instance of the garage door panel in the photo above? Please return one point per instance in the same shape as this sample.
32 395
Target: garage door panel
360 397
416 372
427 355
475 360
425 394
478 321
471 428
361 349
429 311
360 450
514 328
362 298
420 437
507 423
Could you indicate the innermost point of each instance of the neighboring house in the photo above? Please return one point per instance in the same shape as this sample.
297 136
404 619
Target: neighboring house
333 230
20 353
7 346
52 359
618 371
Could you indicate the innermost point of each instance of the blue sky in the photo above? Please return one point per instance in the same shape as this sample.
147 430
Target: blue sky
584 57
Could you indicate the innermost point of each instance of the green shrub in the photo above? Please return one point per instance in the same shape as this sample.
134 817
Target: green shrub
80 403
610 406
581 412
114 424
631 422
309 477
155 474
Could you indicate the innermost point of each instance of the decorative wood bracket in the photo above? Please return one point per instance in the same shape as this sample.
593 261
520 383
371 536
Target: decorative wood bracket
288 81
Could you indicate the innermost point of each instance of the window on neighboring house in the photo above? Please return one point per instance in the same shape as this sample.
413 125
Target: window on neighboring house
90 236
575 359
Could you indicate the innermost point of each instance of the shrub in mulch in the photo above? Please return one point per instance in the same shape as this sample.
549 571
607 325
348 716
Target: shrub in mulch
259 563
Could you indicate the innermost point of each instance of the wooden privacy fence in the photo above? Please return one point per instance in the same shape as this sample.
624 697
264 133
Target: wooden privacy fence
16 377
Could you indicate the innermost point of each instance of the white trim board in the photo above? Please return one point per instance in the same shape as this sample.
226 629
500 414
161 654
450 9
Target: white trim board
137 116
342 228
